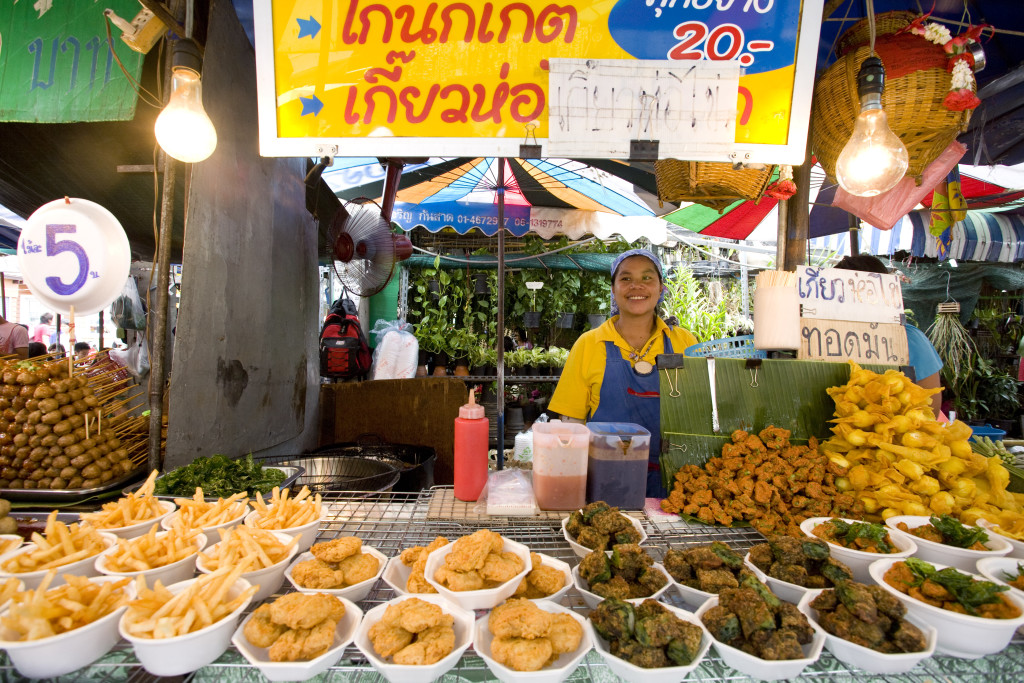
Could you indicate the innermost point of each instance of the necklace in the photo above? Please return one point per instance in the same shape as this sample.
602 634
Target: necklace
637 356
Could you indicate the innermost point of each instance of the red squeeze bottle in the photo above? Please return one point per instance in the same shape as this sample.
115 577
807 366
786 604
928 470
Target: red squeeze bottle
471 441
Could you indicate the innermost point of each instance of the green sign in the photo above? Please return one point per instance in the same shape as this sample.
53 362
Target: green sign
56 65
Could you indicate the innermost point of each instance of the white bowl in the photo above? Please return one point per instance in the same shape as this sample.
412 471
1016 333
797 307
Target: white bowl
790 592
992 568
269 579
583 551
858 560
593 599
183 654
181 570
765 669
963 559
1016 544
211 533
404 673
865 658
556 672
66 652
20 588
140 528
355 592
668 674
306 532
10 542
561 566
300 671
83 567
485 598
396 574
960 635
693 598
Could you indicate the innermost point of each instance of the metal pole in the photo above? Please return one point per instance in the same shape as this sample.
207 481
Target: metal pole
157 326
501 312
101 332
854 235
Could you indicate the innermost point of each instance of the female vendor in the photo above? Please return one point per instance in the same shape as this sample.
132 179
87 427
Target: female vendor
609 375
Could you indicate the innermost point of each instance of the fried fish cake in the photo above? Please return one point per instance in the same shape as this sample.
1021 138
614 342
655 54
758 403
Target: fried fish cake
260 630
546 580
522 654
430 646
388 639
501 567
337 549
470 552
305 643
565 634
358 568
518 618
317 574
299 610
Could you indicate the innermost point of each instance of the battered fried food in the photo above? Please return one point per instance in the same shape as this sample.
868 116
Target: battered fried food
415 615
470 552
303 644
501 567
359 568
519 618
459 581
416 557
565 634
544 581
417 583
521 654
260 630
295 626
299 610
387 639
432 645
316 574
338 549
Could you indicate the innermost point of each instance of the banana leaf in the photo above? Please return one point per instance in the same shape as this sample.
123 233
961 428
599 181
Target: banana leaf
784 393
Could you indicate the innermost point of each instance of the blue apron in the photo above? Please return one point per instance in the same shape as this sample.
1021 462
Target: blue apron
628 396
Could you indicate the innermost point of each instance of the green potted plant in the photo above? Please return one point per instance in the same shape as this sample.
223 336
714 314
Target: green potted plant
436 302
557 357
594 297
692 308
988 395
563 288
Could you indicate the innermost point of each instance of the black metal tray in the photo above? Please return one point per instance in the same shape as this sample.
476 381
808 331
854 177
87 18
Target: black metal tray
65 495
291 475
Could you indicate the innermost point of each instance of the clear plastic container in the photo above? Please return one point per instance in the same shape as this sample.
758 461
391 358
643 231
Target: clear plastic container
617 464
560 464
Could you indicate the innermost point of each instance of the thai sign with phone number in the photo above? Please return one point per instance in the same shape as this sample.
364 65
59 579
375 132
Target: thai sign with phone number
74 253
389 79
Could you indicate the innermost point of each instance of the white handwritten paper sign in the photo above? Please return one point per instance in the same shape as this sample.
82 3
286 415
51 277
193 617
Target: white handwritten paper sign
849 314
596 106
74 253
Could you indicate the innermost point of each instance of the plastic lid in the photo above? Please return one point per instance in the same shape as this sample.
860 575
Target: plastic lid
472 410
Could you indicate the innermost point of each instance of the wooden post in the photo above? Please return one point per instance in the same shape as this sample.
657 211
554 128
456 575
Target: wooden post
798 218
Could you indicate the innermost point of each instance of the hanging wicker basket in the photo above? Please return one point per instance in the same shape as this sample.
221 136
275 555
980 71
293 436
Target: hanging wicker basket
712 184
916 84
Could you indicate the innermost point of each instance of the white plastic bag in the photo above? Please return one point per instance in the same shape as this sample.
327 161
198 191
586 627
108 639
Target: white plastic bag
396 352
135 358
127 311
507 493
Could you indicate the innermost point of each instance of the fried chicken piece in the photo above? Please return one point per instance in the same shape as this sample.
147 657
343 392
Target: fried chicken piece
417 583
260 630
501 567
317 574
459 581
388 639
535 561
431 645
565 634
522 654
519 618
298 610
546 580
337 549
409 556
359 568
415 615
470 552
305 643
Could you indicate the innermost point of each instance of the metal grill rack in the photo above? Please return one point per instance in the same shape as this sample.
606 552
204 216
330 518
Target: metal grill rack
396 521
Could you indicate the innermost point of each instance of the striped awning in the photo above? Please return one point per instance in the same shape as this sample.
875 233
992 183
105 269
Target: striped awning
993 237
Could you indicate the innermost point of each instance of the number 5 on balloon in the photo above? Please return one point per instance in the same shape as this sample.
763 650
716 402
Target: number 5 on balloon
54 247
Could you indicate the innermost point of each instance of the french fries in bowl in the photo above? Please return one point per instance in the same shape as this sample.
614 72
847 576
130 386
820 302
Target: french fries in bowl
131 515
52 631
167 556
299 515
207 516
179 628
71 549
266 555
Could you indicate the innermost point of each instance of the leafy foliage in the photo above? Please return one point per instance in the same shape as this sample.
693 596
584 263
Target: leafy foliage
964 588
219 475
956 534
690 305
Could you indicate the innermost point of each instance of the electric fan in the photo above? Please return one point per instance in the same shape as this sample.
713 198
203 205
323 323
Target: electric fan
364 250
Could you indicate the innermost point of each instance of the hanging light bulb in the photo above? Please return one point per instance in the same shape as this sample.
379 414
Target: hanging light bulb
183 129
874 159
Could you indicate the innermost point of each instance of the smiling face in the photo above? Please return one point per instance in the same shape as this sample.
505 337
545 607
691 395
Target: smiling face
636 286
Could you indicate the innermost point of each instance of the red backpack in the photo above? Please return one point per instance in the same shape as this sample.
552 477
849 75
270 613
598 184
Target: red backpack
344 353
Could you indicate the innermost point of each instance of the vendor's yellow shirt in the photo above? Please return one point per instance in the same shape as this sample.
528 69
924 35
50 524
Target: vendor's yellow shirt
579 388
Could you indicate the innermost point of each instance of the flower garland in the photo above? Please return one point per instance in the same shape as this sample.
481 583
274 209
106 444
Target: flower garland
784 187
961 94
